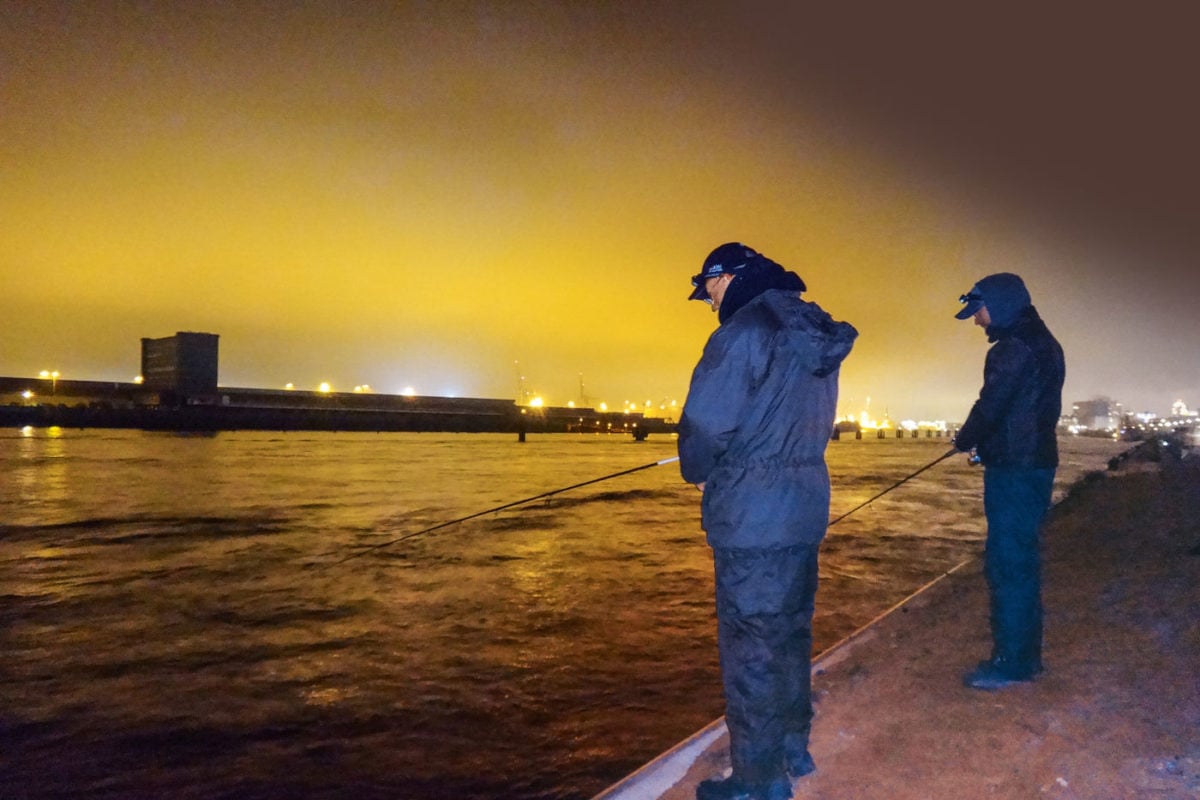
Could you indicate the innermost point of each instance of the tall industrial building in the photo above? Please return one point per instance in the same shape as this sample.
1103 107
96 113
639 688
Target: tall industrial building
185 363
1098 414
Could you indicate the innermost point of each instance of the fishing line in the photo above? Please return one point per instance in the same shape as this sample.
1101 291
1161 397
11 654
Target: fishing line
895 485
493 510
629 471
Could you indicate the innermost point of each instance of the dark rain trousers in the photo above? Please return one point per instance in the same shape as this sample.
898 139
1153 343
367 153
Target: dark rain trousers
764 632
1015 501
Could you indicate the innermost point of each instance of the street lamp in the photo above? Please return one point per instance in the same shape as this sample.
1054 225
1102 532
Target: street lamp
52 376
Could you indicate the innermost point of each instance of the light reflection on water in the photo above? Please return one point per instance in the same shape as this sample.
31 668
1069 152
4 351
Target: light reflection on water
172 624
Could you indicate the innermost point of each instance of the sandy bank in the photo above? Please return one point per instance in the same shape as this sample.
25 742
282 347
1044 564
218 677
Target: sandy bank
1115 716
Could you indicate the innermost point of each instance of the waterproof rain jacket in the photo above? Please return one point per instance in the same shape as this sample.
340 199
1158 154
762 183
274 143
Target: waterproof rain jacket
758 416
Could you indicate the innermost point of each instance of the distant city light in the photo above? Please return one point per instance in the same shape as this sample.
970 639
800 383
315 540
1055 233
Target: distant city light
604 406
362 388
28 395
138 379
409 391
865 421
924 424
537 402
289 386
325 388
570 404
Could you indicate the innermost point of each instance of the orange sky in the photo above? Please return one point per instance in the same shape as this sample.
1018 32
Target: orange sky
446 196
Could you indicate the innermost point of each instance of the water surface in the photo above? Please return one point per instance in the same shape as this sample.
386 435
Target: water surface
173 622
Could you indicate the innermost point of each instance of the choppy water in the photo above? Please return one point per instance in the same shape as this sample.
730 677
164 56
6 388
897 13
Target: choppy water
172 623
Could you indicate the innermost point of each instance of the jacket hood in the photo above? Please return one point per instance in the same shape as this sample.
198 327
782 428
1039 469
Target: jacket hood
819 341
1028 315
756 277
1005 296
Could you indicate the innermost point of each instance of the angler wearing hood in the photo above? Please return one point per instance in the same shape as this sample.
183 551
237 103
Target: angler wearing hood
759 413
1012 429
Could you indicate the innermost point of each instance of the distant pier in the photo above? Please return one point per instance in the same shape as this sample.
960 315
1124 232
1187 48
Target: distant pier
101 404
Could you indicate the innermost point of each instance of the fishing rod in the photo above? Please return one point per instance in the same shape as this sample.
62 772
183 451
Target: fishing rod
895 485
493 510
629 471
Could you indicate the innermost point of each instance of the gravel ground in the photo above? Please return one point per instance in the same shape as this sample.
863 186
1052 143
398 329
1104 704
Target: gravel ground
1116 715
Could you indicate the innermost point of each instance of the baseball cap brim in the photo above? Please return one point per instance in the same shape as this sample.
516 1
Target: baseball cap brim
973 303
699 293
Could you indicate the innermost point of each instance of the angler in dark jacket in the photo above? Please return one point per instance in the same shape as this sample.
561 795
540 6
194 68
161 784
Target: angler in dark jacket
752 437
1011 428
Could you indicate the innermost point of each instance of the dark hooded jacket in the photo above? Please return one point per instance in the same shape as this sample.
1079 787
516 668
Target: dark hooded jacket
1013 422
759 413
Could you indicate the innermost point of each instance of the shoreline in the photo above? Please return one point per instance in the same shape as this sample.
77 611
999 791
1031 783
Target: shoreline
893 720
